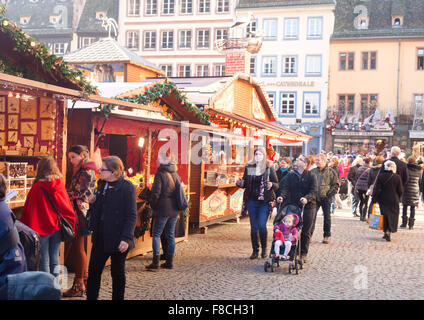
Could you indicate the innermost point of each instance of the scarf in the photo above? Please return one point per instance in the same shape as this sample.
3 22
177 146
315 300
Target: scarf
284 170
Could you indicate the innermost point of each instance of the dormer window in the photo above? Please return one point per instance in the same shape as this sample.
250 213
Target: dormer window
397 20
100 15
363 23
24 20
54 19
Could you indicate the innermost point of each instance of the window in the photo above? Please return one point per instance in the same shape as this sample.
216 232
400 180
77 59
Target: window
149 40
291 28
223 6
270 29
203 39
288 103
220 70
251 27
59 48
418 99
167 40
184 70
221 34
185 39
289 67
269 65
168 6
202 70
311 103
100 15
369 60
420 59
271 97
133 8
204 6
186 6
346 106
368 104
313 66
132 40
151 7
315 28
252 65
24 20
346 60
86 41
167 68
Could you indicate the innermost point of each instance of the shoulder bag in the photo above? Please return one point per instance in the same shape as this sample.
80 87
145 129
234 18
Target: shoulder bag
65 227
179 194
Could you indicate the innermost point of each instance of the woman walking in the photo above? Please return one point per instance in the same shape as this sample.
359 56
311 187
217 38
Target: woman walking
113 219
39 215
165 212
388 192
261 184
411 195
361 188
372 177
80 187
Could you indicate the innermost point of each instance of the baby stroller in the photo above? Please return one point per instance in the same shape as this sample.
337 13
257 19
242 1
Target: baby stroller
294 264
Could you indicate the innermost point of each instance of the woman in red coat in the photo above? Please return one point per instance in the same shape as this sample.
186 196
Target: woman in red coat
39 215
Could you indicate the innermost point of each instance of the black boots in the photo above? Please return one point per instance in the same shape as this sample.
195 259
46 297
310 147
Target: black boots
155 262
387 236
168 263
404 222
263 238
411 223
255 246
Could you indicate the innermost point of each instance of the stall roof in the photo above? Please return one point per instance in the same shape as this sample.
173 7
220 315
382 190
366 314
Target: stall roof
109 51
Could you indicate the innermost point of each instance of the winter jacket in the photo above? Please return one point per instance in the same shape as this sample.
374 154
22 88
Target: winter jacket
401 170
38 213
388 189
361 178
351 175
116 209
411 192
12 258
285 232
163 201
296 186
281 173
327 182
374 170
251 182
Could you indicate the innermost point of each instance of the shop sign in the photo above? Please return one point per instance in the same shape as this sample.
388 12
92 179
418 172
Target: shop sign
362 133
416 134
291 84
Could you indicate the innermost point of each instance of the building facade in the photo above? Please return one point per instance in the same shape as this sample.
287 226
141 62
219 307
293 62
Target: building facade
376 75
178 36
293 61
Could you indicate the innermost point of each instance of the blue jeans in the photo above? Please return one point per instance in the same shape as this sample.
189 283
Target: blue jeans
159 225
50 249
258 215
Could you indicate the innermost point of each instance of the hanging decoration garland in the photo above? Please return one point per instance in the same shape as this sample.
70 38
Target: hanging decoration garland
50 62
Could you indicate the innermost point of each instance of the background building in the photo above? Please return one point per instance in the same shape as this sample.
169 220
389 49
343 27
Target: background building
376 74
293 61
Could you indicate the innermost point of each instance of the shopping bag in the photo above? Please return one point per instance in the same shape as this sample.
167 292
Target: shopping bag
376 219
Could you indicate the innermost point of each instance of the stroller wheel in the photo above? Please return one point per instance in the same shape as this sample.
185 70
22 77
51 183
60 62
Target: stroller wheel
290 268
297 269
272 267
266 266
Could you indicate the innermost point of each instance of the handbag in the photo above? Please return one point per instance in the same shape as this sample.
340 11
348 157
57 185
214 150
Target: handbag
180 197
370 190
376 219
65 227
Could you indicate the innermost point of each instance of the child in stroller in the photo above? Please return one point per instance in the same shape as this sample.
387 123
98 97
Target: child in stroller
287 225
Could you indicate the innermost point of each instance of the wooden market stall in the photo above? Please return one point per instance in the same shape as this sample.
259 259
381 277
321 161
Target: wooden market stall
240 105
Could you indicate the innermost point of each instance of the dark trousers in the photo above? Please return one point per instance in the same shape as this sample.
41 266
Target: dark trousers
363 203
97 263
308 226
325 204
405 212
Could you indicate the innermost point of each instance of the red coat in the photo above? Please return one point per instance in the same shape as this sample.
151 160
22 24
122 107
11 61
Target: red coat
38 213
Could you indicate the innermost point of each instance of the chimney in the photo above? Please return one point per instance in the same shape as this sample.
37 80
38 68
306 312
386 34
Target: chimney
237 60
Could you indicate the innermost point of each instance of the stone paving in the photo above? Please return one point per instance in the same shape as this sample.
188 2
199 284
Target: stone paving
357 264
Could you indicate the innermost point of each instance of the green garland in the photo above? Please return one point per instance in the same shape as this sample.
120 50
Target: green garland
167 87
26 45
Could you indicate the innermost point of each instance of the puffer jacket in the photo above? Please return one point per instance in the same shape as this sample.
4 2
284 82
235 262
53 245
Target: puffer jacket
362 178
327 182
372 176
411 194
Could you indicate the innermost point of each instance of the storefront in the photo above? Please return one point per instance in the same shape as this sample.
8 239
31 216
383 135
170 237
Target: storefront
417 142
363 142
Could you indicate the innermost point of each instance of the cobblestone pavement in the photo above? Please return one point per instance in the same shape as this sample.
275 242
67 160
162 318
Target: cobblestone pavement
357 264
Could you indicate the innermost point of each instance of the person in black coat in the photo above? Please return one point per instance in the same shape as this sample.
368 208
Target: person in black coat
372 177
113 212
361 187
165 212
12 257
261 185
299 188
284 169
411 194
351 176
388 192
401 167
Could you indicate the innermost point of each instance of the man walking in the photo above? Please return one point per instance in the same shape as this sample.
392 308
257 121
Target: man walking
351 176
327 187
